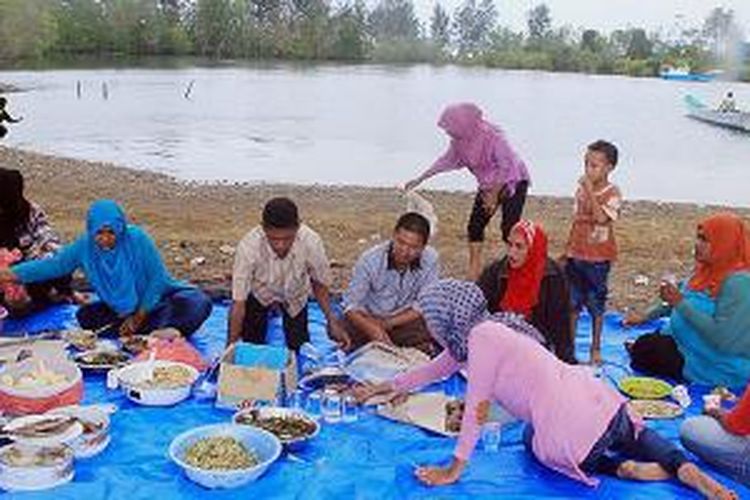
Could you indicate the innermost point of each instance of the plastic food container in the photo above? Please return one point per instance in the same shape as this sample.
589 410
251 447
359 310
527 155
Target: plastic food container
132 377
26 467
94 436
15 400
263 444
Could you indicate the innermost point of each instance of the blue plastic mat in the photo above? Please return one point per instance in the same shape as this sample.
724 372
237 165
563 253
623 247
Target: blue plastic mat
370 459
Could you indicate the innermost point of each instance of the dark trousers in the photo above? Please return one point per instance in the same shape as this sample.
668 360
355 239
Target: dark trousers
255 325
657 354
619 444
185 310
511 208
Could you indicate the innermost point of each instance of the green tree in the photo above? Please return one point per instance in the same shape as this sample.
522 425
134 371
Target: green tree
351 40
440 32
639 44
539 22
394 20
27 29
214 27
473 26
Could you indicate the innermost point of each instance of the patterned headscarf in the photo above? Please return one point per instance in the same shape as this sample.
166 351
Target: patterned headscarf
451 308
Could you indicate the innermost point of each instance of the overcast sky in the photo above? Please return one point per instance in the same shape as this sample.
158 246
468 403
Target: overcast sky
607 15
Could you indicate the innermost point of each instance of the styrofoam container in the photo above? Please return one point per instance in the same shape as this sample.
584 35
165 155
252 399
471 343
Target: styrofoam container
131 376
70 433
35 477
263 444
88 444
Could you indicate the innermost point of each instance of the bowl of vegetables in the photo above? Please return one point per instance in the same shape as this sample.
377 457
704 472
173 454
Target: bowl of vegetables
224 455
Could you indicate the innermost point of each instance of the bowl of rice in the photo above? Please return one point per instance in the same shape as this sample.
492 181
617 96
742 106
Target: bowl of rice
224 455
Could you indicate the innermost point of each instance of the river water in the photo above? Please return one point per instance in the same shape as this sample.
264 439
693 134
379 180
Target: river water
376 125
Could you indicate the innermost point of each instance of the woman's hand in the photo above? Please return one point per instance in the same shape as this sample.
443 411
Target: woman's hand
670 294
364 392
7 276
132 324
412 184
440 476
633 318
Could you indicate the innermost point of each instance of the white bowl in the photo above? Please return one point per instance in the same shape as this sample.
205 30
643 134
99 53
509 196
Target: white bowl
35 477
263 444
132 375
274 411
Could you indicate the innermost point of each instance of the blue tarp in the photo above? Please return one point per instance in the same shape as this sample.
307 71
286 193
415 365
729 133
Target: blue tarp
370 459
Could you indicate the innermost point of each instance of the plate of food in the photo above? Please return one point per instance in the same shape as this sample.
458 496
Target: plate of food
82 340
101 360
645 387
432 411
43 430
656 409
291 426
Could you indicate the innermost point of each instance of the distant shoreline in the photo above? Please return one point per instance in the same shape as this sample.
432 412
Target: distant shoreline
196 224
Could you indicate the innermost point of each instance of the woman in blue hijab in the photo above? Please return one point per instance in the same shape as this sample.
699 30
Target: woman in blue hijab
124 267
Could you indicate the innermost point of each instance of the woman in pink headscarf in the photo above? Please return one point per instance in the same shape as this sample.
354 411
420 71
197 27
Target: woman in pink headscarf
501 175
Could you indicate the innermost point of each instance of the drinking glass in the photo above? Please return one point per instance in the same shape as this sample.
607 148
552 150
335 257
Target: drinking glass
331 406
314 404
491 435
350 412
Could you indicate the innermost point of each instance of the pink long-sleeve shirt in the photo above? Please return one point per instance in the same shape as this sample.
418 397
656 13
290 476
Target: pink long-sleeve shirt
501 167
567 406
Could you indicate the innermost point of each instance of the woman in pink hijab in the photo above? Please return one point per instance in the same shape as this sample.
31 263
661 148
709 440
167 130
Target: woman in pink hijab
501 175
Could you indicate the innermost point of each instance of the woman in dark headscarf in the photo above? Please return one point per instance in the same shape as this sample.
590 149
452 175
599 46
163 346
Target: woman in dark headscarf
26 235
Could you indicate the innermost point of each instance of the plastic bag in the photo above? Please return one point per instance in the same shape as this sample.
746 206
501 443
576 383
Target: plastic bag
415 202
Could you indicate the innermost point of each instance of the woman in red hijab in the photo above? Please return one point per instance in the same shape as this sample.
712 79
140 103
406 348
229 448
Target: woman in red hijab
527 282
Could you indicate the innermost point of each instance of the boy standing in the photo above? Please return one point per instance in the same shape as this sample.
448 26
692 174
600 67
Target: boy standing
591 246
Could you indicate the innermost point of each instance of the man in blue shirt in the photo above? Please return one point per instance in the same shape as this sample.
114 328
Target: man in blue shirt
379 304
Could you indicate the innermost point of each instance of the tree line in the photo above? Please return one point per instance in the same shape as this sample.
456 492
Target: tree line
350 31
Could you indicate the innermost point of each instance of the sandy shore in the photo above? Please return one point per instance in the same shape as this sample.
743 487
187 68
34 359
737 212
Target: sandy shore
197 225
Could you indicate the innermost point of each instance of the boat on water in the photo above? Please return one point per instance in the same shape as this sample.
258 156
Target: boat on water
684 74
737 120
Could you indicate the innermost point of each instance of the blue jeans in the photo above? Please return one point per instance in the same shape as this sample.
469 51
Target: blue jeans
705 437
619 443
588 285
185 310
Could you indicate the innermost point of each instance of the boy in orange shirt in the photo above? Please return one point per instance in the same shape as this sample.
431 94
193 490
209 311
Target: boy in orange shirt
591 246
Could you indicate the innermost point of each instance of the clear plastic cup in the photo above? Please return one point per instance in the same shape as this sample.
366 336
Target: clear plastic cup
314 404
350 411
331 407
296 400
491 436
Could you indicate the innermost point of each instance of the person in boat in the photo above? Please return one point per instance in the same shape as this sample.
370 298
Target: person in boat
501 174
528 282
5 117
578 425
707 338
123 265
386 281
728 104
26 235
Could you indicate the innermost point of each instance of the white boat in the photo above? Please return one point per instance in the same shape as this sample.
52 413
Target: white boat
737 120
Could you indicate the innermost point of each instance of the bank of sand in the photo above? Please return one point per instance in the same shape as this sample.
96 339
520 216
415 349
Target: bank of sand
195 222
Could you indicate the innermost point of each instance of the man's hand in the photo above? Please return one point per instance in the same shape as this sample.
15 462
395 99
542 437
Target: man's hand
339 334
586 184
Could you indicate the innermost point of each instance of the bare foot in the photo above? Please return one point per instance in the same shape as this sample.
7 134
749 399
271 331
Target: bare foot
596 358
642 471
692 476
